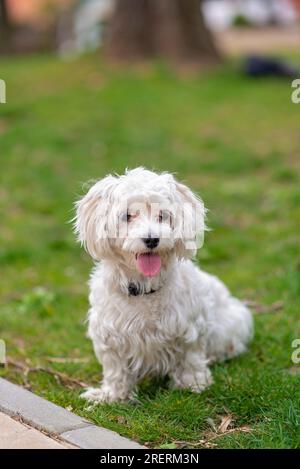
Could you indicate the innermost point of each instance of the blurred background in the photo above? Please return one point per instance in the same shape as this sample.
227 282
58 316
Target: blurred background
198 88
72 27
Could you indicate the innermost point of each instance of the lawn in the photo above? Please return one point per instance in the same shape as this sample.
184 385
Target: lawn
233 140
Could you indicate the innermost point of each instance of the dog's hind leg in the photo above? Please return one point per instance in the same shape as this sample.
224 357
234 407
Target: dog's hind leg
191 371
229 330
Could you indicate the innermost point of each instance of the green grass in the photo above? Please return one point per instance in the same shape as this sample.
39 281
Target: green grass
232 139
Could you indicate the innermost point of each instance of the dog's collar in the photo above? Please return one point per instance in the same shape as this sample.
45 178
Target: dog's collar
135 290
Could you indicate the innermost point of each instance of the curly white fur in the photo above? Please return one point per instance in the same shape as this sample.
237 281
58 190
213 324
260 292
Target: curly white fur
179 320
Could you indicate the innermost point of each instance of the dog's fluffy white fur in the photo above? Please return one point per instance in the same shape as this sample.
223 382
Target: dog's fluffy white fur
175 322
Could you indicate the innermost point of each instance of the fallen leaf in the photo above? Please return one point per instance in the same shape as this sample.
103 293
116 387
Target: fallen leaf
121 420
264 309
168 446
245 429
225 423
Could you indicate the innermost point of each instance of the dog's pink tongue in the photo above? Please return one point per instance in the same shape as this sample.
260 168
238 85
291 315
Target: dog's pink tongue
149 264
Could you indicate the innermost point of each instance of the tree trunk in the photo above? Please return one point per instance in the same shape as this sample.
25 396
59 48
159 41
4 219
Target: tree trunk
5 28
171 29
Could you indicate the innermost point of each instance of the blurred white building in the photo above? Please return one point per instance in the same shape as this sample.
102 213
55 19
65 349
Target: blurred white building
221 14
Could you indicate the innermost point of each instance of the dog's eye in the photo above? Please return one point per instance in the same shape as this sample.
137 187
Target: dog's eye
163 216
126 217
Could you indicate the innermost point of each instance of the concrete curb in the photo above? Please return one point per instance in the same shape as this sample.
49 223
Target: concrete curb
54 420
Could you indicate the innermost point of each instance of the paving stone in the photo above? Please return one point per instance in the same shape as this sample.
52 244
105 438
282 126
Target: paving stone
43 415
35 411
15 435
93 437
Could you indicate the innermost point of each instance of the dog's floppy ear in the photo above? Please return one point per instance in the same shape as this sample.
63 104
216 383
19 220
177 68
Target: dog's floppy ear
91 217
190 226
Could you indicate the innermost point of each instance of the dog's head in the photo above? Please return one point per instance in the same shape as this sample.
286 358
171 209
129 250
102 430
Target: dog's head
140 219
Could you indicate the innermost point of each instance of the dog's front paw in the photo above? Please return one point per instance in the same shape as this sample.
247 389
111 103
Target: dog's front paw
196 381
201 381
94 395
105 395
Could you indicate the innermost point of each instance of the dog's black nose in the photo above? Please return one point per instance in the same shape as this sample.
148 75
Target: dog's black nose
151 243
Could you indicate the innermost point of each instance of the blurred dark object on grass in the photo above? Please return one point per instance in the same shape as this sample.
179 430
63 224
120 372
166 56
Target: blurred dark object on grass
262 66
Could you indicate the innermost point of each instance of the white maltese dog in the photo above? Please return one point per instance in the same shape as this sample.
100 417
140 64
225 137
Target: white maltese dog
152 310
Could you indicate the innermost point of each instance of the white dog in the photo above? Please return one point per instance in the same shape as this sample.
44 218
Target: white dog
153 311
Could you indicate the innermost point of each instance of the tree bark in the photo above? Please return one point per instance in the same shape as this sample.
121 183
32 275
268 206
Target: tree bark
171 29
5 28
